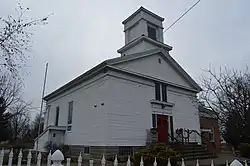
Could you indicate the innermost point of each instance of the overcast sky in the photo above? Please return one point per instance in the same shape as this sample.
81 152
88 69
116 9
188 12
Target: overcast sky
83 33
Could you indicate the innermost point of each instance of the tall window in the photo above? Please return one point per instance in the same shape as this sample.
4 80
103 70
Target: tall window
211 135
57 116
164 92
157 91
70 115
151 32
161 92
47 112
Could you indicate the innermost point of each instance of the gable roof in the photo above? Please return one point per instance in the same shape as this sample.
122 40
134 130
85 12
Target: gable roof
162 52
206 112
138 11
109 64
144 38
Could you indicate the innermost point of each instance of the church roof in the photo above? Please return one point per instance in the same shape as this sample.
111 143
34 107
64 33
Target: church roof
146 11
109 64
144 38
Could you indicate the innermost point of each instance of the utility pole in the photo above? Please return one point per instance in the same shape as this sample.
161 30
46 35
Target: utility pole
41 109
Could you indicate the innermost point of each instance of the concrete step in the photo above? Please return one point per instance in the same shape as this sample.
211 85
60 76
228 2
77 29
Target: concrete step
205 153
200 157
194 151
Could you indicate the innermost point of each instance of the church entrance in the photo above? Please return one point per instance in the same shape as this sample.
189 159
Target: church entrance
162 128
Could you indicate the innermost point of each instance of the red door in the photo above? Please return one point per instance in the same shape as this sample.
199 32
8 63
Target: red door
162 128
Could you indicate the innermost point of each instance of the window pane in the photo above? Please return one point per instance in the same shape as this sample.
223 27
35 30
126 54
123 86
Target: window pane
157 91
154 120
152 32
164 92
57 116
211 135
70 112
86 150
48 111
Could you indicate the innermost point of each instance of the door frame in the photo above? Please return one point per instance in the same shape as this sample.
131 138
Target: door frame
169 123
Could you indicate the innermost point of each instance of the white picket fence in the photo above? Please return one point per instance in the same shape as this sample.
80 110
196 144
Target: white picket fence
57 158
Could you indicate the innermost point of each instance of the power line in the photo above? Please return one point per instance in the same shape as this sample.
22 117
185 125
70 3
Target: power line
180 17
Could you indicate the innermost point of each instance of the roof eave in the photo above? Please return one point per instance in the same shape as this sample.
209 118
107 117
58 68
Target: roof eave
150 78
79 79
139 39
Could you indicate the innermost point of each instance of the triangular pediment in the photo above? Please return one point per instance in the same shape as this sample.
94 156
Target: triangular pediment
156 64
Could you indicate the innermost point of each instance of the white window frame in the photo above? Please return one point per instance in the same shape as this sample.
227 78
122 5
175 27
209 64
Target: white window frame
70 124
47 116
156 29
161 96
209 131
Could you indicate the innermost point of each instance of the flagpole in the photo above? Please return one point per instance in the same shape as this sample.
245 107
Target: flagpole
41 108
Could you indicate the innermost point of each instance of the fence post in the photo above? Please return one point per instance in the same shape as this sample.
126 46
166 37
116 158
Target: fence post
182 162
49 159
103 162
197 162
155 163
115 161
79 159
141 163
39 157
91 162
169 163
245 163
1 157
20 155
29 158
57 158
10 157
236 163
68 161
212 162
129 162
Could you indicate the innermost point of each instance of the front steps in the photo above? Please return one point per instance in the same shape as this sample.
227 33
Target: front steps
187 151
192 151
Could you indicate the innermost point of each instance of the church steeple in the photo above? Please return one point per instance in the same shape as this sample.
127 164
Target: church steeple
143 22
142 25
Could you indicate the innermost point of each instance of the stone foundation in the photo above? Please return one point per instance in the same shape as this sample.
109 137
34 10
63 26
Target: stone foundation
96 152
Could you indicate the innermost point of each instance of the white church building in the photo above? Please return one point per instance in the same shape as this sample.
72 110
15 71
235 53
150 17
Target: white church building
116 103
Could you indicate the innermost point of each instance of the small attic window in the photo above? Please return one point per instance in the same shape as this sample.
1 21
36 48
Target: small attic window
152 32
159 60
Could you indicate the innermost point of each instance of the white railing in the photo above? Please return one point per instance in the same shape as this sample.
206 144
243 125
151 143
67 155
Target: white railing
57 158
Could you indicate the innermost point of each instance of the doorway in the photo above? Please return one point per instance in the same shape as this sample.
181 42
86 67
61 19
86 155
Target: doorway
162 128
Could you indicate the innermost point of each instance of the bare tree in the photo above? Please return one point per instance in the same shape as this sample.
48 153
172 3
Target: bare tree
35 126
19 125
15 39
10 91
227 95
